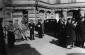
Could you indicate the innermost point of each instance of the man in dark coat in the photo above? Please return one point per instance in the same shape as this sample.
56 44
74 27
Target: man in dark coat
70 33
2 41
61 33
32 28
11 36
60 29
39 29
81 32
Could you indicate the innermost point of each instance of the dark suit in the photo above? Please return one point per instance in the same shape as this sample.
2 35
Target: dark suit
61 34
32 27
40 30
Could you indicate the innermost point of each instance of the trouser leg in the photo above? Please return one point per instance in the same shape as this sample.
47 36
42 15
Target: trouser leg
82 44
40 34
30 35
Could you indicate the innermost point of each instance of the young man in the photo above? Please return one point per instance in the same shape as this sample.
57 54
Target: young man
32 28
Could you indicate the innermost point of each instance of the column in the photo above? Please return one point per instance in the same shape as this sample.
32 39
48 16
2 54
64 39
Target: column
43 23
65 13
82 12
11 15
28 16
35 14
45 15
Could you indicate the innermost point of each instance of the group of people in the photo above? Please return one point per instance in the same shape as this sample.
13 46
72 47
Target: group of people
14 32
71 32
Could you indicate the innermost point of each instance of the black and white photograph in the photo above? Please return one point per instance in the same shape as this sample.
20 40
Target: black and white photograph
42 27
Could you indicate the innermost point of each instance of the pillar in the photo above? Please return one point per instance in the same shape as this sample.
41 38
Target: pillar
28 16
65 13
82 12
35 14
11 15
43 23
45 15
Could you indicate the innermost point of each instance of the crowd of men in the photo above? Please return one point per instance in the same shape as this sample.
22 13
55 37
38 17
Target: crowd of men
71 32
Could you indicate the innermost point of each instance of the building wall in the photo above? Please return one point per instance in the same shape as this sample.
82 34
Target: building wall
23 2
64 1
80 0
1 4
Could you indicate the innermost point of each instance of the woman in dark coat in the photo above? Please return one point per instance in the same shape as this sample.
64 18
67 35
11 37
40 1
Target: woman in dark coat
2 41
80 29
70 33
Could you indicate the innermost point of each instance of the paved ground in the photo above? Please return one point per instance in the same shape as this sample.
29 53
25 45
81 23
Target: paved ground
47 45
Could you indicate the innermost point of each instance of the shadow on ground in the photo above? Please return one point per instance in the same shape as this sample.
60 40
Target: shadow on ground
49 33
75 53
23 49
59 43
